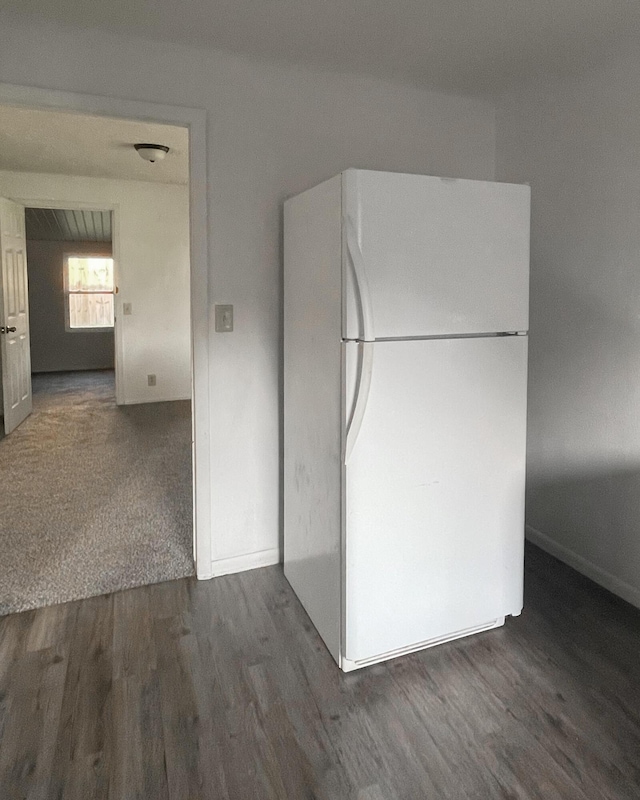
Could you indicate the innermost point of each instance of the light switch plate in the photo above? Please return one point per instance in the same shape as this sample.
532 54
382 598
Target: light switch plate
224 319
127 309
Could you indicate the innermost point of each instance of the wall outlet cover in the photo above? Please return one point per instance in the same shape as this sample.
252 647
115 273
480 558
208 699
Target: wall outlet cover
224 319
151 380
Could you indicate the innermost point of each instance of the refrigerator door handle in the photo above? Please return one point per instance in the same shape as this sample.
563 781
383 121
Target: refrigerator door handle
360 274
365 371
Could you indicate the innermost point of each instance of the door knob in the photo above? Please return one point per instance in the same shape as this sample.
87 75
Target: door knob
11 329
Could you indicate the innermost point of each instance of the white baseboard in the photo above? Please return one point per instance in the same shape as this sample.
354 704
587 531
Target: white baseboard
228 566
138 401
203 574
619 587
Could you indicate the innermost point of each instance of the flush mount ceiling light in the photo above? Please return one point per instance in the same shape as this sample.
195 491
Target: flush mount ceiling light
151 152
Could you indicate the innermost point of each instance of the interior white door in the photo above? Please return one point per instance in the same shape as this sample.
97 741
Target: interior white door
14 316
435 492
429 256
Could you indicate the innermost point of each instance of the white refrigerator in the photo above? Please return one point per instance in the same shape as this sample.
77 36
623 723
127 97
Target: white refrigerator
405 377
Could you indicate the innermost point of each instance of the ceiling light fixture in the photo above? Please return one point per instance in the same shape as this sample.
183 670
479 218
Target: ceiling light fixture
152 152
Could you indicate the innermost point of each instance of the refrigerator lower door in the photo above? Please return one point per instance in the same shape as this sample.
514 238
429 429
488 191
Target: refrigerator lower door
434 493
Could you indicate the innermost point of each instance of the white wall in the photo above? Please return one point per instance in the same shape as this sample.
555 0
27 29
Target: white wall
578 142
151 248
272 131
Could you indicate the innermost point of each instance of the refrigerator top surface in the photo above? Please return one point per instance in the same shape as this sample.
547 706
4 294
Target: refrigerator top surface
426 256
381 172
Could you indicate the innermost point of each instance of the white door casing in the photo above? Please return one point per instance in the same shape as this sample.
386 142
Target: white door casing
14 316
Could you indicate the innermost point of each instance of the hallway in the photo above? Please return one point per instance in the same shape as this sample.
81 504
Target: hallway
95 497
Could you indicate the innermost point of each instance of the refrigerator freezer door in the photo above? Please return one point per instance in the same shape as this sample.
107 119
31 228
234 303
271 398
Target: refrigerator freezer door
427 256
434 514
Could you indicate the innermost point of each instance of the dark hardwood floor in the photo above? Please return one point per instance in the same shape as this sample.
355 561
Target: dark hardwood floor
222 689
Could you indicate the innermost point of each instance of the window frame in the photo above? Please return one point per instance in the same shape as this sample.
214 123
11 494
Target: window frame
68 293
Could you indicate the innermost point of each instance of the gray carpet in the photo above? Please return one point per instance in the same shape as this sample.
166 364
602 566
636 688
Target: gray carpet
94 498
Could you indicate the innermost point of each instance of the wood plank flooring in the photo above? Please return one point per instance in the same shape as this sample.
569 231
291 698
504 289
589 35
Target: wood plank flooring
222 689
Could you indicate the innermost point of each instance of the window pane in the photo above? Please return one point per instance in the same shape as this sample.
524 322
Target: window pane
91 310
90 274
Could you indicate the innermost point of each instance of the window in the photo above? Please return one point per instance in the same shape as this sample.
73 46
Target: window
88 285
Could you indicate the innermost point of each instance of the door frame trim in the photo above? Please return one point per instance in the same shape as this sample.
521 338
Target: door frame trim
114 208
195 120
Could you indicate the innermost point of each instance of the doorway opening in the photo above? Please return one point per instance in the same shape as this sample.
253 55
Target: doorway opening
71 290
101 494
